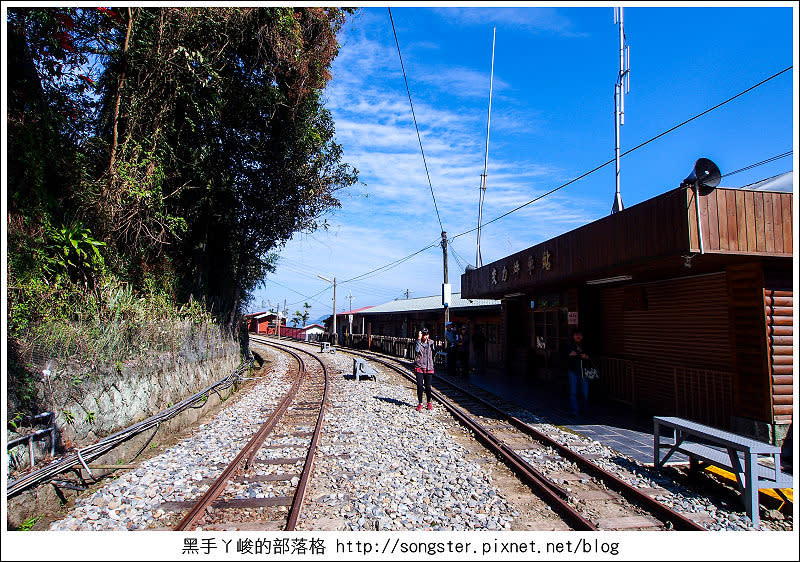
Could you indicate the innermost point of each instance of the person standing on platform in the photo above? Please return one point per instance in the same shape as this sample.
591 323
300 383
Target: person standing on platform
464 342
578 384
450 336
424 353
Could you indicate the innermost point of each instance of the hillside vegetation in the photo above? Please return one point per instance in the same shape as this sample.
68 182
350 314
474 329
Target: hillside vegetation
157 159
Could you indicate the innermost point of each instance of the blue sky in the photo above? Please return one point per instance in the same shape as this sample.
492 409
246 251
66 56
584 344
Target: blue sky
552 120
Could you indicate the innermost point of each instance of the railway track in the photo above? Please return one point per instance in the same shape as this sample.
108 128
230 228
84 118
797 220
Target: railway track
278 457
585 495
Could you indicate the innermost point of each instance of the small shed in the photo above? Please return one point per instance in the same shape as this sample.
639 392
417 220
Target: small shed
312 332
260 322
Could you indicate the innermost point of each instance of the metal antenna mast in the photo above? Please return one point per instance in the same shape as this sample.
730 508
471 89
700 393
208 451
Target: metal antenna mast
621 87
482 190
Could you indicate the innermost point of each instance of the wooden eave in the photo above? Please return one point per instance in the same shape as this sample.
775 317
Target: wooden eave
649 241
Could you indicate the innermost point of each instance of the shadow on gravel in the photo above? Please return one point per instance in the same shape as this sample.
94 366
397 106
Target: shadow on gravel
394 401
353 377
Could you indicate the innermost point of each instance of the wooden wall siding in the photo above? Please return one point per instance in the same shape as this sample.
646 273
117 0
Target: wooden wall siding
748 343
742 221
685 325
778 306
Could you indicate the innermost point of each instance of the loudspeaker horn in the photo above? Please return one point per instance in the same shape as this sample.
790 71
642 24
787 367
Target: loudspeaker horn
705 176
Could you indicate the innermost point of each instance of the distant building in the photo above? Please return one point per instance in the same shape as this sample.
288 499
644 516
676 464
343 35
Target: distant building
312 332
343 322
260 322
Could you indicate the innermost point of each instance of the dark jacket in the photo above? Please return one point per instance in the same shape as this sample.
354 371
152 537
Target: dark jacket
423 355
574 362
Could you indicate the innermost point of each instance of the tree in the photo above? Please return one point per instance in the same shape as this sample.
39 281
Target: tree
192 141
221 117
305 315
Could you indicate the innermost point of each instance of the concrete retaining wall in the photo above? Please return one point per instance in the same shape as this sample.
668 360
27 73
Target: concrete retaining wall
91 406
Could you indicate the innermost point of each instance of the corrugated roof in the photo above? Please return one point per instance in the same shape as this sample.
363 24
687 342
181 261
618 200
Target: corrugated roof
781 182
429 303
354 311
261 315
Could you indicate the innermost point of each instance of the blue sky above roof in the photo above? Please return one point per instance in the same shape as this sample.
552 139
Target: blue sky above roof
552 120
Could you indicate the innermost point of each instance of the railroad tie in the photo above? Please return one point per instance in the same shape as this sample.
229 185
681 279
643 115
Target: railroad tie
243 503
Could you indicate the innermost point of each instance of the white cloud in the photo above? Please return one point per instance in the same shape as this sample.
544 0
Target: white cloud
533 19
393 215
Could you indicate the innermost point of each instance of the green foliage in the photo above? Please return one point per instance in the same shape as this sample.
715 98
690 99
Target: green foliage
69 417
22 379
73 252
28 524
90 417
158 157
15 420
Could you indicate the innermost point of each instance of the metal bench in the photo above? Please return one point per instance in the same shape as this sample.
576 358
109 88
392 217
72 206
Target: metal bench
326 347
726 450
362 369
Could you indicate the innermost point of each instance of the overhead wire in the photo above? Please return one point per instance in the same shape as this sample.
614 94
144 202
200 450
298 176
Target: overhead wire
461 260
413 114
397 262
637 147
306 297
757 164
393 264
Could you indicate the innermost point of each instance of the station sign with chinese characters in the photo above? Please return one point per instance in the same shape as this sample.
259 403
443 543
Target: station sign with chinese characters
520 269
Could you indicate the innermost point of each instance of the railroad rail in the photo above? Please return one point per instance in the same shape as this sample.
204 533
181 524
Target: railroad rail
309 391
462 405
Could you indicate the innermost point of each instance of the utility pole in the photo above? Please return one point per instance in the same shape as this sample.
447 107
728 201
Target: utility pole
334 335
350 313
444 257
407 293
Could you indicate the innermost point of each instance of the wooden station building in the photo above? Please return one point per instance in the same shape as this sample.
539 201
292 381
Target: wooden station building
674 328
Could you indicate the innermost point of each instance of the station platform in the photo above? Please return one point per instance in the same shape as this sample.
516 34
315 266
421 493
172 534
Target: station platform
613 425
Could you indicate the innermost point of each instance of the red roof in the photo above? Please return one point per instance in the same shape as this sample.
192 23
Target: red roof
355 310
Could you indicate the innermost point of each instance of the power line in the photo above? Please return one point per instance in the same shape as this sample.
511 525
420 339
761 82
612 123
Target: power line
419 138
638 146
437 242
757 164
392 264
313 297
305 297
460 260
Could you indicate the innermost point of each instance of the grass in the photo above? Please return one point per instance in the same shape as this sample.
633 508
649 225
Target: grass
60 328
28 524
